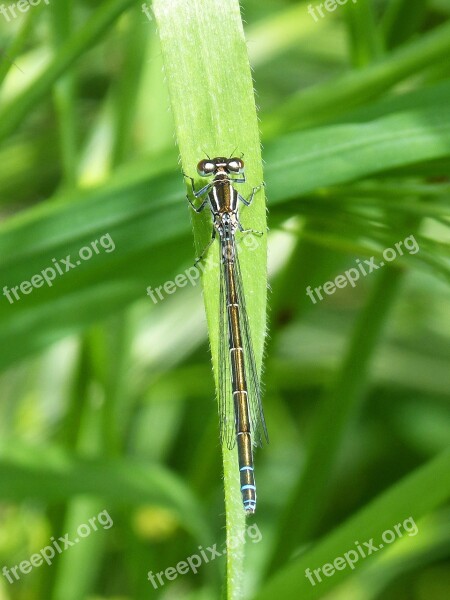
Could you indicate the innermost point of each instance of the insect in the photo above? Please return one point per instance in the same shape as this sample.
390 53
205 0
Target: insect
240 408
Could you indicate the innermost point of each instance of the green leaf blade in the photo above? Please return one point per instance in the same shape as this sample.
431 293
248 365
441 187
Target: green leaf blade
212 99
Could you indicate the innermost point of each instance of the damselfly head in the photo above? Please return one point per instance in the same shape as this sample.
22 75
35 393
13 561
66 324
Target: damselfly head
211 166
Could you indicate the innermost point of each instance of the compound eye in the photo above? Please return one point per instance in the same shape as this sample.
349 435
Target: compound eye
236 165
205 168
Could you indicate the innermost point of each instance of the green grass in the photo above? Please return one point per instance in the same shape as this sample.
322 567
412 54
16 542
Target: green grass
205 50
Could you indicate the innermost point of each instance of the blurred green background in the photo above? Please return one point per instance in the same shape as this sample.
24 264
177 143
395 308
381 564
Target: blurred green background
107 398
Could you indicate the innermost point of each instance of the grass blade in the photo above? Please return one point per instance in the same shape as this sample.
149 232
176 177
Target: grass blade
52 475
332 419
12 114
212 99
418 494
328 100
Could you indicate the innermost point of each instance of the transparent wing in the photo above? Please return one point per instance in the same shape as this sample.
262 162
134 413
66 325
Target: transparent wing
226 406
257 421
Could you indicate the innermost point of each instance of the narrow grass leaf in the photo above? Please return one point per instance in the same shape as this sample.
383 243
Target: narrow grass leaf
212 99
418 494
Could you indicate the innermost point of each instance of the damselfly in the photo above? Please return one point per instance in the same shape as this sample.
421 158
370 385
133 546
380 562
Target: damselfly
240 408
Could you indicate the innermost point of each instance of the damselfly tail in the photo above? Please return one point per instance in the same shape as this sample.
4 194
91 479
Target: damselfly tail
241 415
247 475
